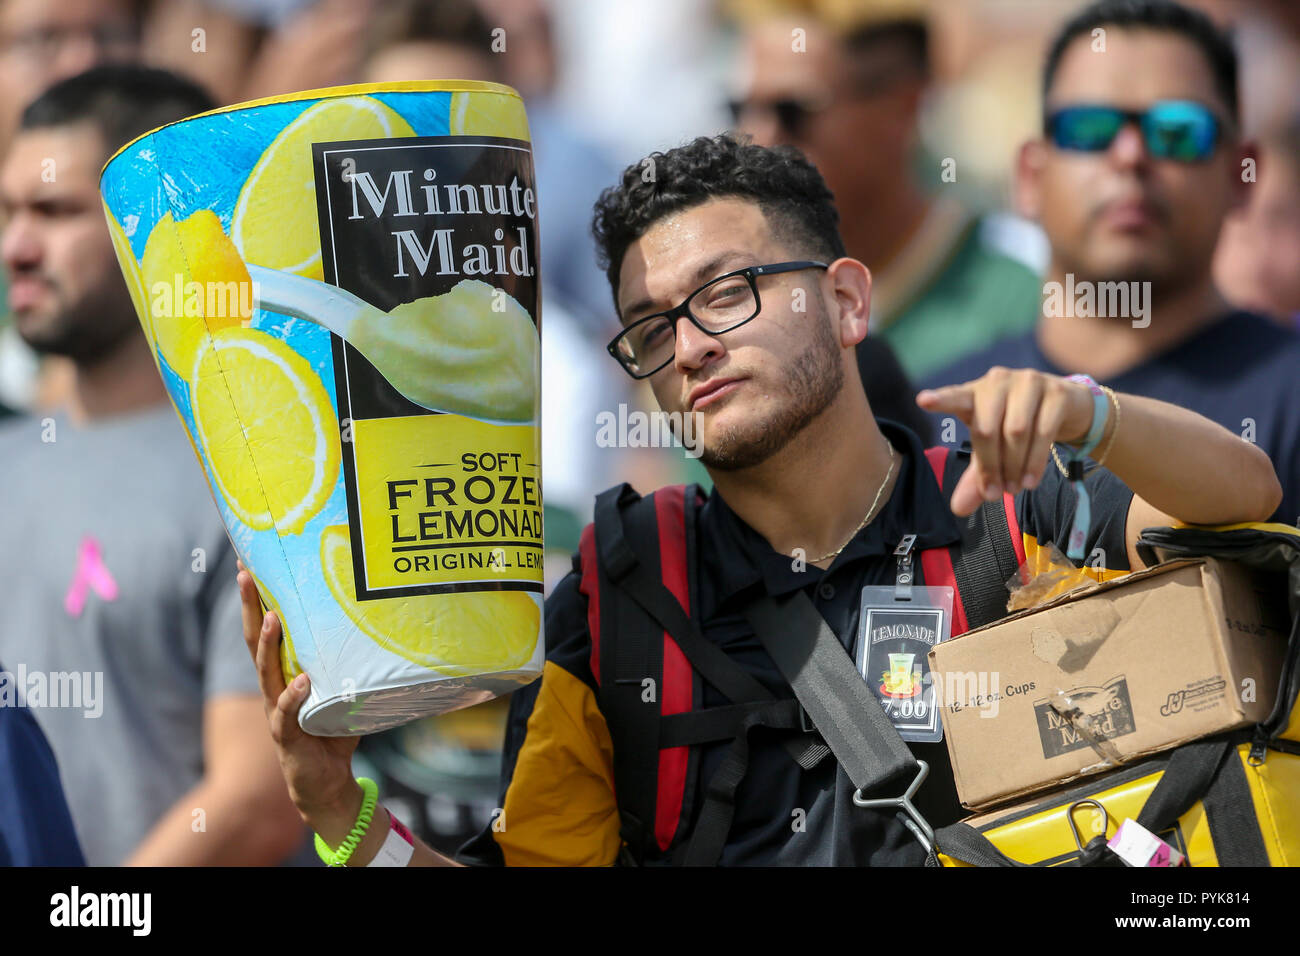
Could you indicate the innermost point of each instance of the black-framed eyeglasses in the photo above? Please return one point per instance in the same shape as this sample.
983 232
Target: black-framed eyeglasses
718 306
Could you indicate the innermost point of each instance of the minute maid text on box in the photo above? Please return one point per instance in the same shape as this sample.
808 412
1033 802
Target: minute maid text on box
472 516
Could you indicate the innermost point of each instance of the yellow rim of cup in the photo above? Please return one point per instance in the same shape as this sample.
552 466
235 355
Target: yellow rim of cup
329 92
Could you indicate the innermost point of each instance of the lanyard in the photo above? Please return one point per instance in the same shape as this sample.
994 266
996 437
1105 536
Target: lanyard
1074 468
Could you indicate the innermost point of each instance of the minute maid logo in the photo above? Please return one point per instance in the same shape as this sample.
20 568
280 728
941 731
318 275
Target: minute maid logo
441 200
438 374
1103 712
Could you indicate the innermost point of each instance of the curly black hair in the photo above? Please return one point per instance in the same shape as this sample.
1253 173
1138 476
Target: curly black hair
788 189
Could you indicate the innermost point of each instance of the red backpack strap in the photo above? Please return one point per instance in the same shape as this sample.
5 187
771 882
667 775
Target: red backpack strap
589 586
677 686
628 647
639 573
989 553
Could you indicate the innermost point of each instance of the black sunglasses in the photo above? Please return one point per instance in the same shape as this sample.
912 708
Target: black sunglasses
1182 130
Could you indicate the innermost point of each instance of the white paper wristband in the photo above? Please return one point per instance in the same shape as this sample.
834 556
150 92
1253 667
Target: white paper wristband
398 848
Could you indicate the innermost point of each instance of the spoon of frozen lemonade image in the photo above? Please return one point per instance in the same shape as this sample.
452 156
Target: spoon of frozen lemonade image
473 350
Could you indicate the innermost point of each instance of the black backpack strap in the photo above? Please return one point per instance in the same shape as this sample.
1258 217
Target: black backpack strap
985 559
640 581
631 648
709 835
1209 771
828 685
636 609
1234 824
963 842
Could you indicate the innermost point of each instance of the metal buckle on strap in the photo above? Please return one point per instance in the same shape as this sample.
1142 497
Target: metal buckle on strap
914 821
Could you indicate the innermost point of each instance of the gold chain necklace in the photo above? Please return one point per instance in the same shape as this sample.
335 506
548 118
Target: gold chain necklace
870 511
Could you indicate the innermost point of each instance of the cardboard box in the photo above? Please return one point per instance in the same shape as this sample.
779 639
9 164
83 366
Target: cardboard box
1104 676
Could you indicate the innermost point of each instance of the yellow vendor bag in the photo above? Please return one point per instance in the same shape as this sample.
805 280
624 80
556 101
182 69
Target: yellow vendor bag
1228 800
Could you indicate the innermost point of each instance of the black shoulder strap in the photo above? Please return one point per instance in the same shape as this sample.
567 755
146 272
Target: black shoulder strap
1210 771
636 609
985 559
842 706
631 650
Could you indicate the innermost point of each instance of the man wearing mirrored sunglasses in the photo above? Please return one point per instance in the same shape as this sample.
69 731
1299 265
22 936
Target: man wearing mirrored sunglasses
1140 161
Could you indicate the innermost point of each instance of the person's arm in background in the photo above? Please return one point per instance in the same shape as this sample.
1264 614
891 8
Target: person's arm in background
1179 465
239 813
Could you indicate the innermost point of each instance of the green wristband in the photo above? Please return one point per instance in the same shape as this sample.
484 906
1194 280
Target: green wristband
341 856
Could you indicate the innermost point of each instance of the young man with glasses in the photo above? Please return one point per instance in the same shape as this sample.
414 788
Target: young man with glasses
739 306
1140 162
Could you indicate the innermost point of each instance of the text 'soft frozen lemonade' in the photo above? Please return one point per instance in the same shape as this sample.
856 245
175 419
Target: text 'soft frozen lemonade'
359 376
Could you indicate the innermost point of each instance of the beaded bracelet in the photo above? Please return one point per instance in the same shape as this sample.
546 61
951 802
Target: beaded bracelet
340 856
1105 449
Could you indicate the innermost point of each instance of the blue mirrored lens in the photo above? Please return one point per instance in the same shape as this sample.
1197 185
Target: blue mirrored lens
1088 128
1180 129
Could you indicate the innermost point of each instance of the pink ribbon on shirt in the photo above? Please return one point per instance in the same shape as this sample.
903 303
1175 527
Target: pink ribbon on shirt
91 573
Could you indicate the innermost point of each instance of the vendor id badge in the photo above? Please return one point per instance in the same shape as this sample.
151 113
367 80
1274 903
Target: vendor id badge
894 642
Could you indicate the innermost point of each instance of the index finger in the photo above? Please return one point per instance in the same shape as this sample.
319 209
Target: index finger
956 400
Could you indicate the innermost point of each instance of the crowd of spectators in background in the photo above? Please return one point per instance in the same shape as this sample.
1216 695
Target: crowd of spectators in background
926 120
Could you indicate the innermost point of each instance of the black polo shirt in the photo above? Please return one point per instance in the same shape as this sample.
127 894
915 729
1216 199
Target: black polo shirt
785 814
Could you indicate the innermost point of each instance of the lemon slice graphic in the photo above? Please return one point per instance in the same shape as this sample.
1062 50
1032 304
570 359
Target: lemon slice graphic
266 428
487 114
274 222
194 250
458 633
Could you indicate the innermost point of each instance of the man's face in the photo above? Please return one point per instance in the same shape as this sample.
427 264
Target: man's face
858 122
1257 263
42 42
1120 213
66 291
755 387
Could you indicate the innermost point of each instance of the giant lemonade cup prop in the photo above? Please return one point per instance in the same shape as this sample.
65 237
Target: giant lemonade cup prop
341 289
